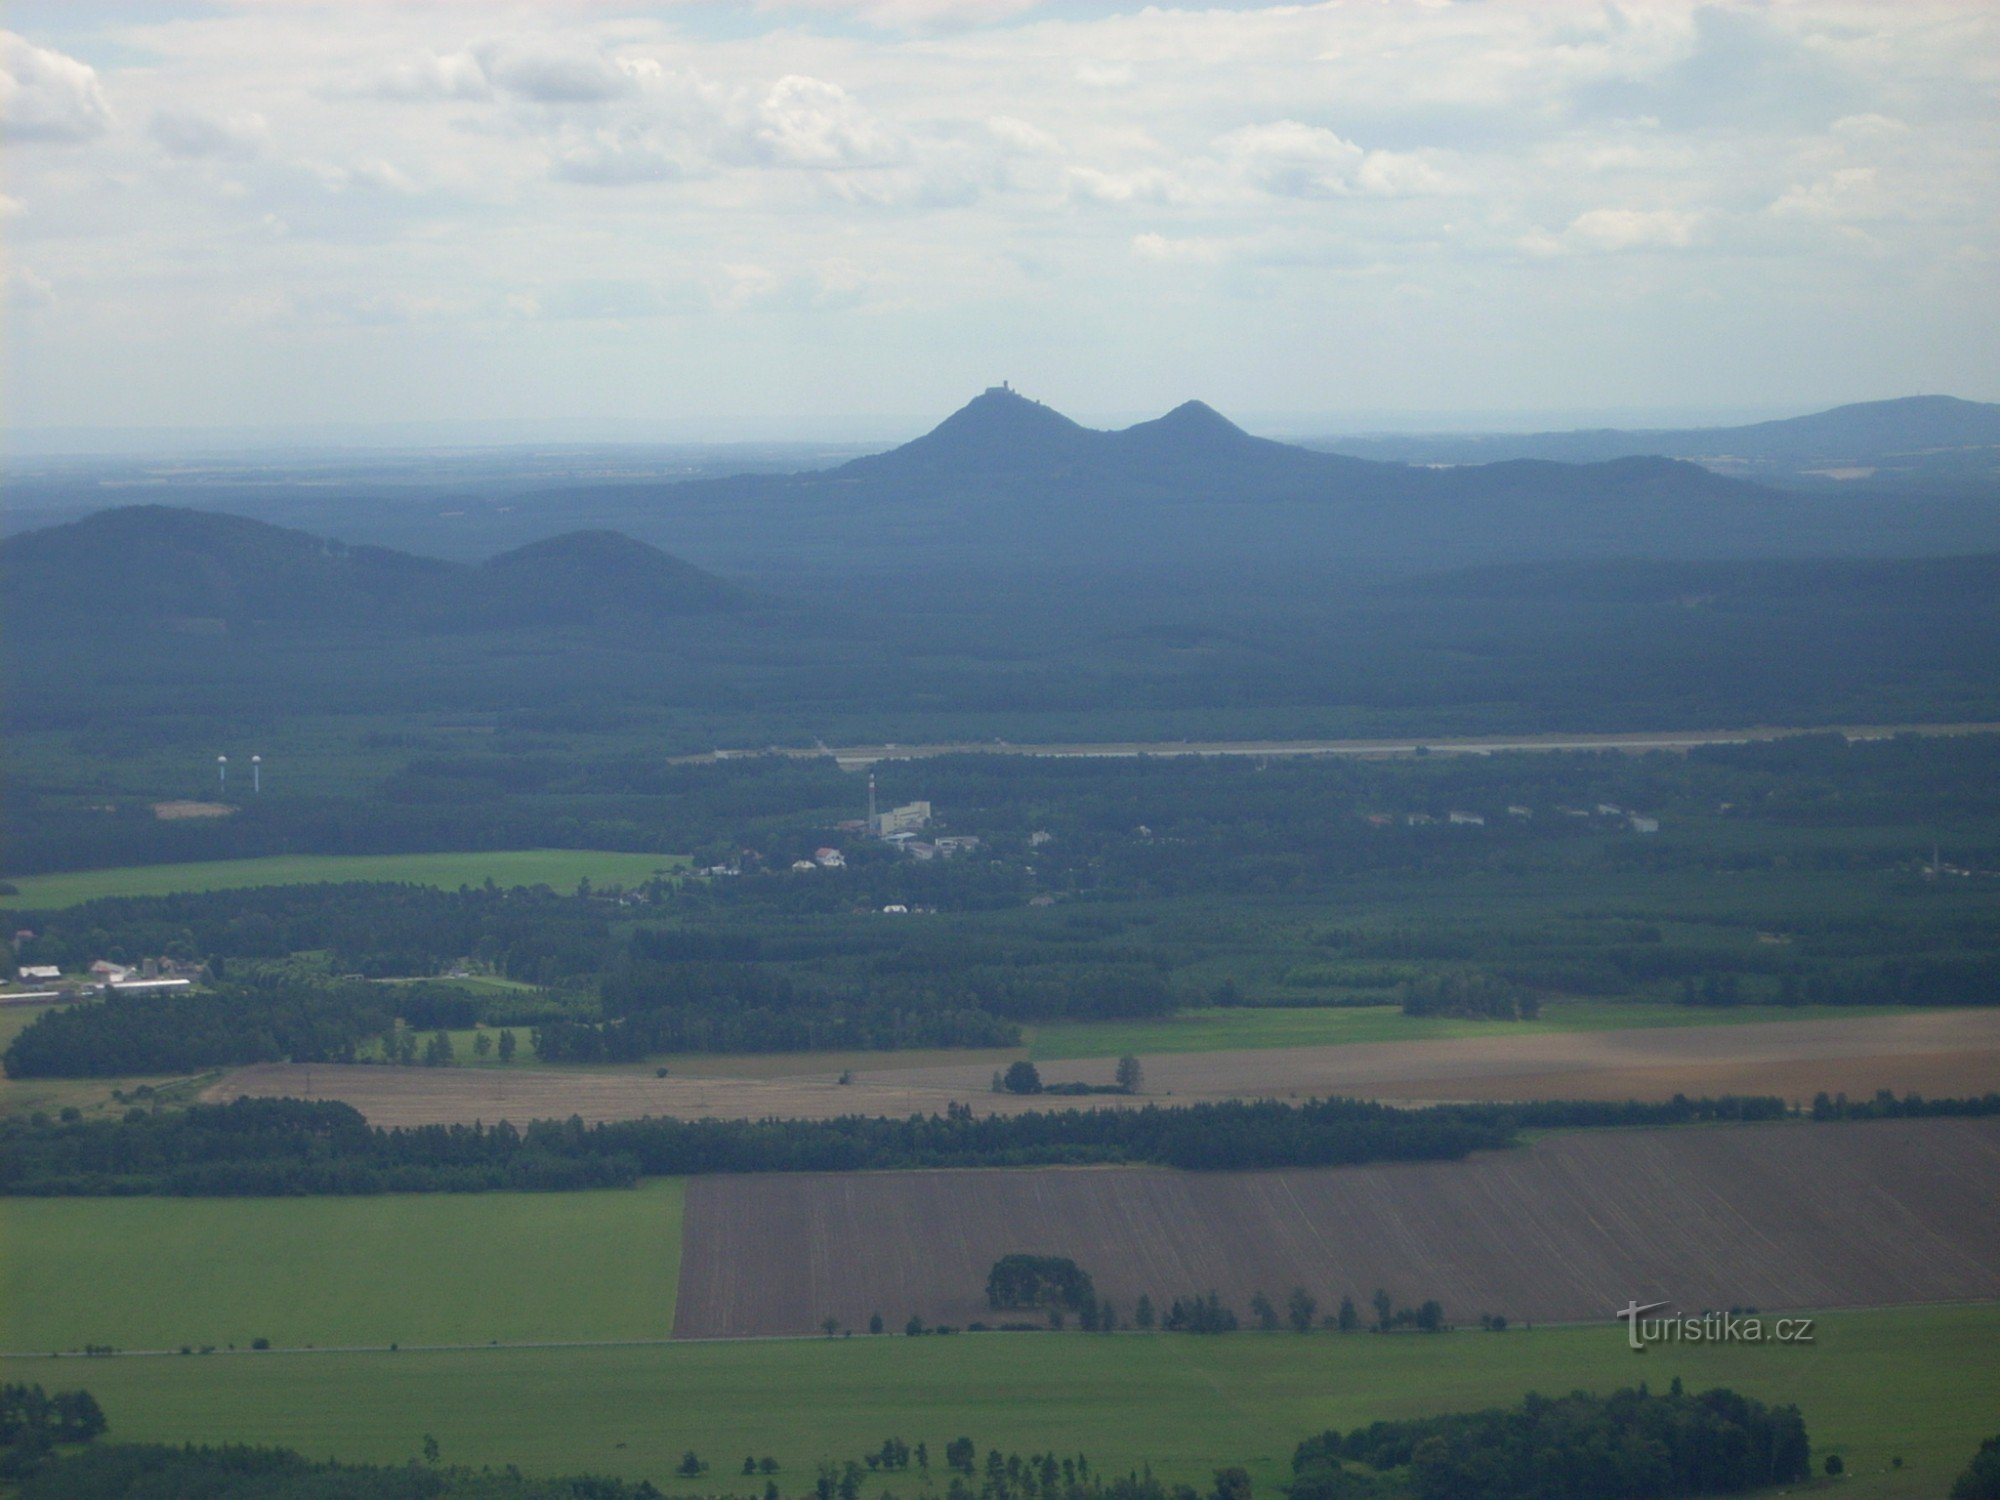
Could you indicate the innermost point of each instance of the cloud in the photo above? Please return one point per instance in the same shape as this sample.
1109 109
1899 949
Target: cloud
1633 229
1293 160
1149 185
1159 247
1020 136
738 286
809 122
186 132
366 177
47 96
916 13
613 158
1849 192
426 76
552 71
22 289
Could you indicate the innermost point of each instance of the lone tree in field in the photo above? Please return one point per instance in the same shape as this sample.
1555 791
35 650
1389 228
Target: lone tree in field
1131 1077
1033 1281
1021 1078
507 1045
1299 1310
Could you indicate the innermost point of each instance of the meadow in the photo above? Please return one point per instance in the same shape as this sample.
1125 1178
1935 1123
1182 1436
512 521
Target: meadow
560 869
160 1273
1236 1028
1917 1383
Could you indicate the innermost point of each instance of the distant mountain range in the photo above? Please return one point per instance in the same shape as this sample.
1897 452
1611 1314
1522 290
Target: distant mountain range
1926 443
203 572
1013 494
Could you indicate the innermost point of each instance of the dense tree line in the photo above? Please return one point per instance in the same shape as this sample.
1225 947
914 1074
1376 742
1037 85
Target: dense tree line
371 928
130 1471
274 1146
287 1146
159 1472
306 1019
1885 1105
1578 1447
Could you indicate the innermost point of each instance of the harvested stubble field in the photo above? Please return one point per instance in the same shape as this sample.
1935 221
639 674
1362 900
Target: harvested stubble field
1937 1053
1570 1227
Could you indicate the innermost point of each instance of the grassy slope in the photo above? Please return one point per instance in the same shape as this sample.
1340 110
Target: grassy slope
1919 1382
1252 1027
152 1273
560 868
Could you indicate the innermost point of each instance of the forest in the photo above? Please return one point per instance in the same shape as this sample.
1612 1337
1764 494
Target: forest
1576 1447
1804 871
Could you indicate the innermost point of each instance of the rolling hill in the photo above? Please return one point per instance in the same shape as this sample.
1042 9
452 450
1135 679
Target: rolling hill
1936 444
205 573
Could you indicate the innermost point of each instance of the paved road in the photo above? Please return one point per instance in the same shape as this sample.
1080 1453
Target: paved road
851 757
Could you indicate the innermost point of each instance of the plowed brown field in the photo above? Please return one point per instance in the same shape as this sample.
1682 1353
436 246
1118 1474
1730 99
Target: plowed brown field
1932 1052
1571 1227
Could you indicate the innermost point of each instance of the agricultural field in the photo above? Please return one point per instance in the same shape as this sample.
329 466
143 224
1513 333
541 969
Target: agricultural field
560 869
1939 1053
1249 1027
1917 1383
445 1268
1567 1228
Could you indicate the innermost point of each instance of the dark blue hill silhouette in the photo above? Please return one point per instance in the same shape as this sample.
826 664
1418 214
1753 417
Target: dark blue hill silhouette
195 569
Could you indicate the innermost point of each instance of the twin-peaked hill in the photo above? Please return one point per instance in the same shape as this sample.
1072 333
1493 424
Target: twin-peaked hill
199 570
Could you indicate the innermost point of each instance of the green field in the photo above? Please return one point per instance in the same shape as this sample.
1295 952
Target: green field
446 1268
1916 1382
560 869
1217 1030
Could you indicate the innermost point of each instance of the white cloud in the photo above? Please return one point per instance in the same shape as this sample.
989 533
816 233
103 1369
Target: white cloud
425 75
1019 135
1159 247
539 70
22 289
546 72
46 95
1148 185
613 158
1849 192
809 122
1633 229
736 287
187 132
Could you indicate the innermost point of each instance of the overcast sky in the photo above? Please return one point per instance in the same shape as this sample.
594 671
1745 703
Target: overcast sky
723 220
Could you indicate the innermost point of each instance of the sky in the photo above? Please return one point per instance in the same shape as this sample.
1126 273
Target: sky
828 217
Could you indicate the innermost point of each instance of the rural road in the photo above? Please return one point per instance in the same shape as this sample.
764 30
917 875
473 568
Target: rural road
854 757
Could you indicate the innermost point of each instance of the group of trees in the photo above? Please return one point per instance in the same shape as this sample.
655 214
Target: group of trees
286 1146
1470 993
34 1421
1030 1282
282 1146
1578 1447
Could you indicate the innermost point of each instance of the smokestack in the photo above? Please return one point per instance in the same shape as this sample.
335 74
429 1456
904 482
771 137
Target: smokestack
871 802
